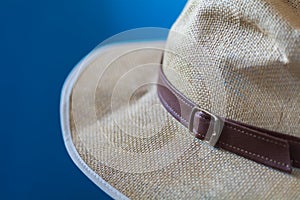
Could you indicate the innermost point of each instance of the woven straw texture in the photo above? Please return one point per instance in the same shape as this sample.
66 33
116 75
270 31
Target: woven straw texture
239 59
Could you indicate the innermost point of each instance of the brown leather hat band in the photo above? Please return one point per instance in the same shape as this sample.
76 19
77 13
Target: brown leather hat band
272 149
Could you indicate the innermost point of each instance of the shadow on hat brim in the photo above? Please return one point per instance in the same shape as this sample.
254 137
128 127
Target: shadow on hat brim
120 136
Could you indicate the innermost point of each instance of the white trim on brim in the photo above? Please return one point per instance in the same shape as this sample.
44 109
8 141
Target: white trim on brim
65 123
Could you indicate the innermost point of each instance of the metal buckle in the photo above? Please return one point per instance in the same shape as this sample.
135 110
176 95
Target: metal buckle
214 132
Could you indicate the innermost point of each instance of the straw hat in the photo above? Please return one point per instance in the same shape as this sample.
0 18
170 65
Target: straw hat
239 60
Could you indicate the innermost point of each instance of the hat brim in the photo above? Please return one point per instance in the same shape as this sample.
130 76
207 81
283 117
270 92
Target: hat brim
119 135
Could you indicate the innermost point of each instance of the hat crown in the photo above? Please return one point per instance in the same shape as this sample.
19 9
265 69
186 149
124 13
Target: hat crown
240 60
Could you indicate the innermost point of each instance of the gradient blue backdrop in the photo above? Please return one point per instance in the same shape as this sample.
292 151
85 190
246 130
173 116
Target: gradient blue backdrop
41 41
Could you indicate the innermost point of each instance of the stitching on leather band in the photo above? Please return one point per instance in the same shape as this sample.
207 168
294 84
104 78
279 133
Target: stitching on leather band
254 136
254 154
293 141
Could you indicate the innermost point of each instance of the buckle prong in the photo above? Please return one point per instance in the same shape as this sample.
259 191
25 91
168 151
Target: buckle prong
215 128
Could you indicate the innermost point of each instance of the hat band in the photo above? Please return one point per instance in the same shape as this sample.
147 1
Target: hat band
276 150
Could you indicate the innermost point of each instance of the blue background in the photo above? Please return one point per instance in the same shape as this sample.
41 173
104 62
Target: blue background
41 41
